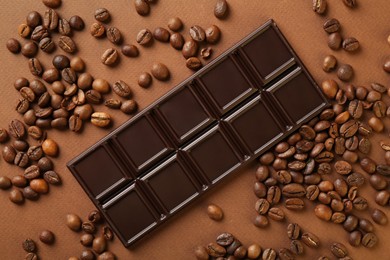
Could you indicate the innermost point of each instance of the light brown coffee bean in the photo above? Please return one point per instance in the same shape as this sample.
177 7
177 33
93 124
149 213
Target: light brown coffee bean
214 212
319 6
221 9
109 57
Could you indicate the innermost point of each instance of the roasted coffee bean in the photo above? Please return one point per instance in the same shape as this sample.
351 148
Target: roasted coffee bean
52 3
345 72
197 33
351 44
262 206
213 34
87 254
351 157
144 37
215 250
27 93
351 223
97 30
107 233
160 71
35 153
40 32
29 193
35 67
101 86
75 123
161 34
281 147
293 190
350 3
51 75
86 239
221 9
288 153
312 179
366 225
102 15
355 179
369 240
61 62
43 112
50 147
282 176
355 238
360 203
355 109
267 158
56 100
304 146
84 112
352 193
261 221
95 216
334 40
338 217
214 212
379 108
338 250
339 145
175 24
352 143
50 19
270 182
276 214
77 64
142 7
33 19
45 164
373 96
378 87
59 123
16 196
84 81
93 96
312 192
122 89
349 128
52 177
285 254
331 25
67 44
269 254
5 183
145 80
79 97
88 227
19 181
190 49
307 132
376 124
319 6
20 83
364 145
129 50
383 169
193 63
262 173
113 103
24 30
114 35
323 212
35 132
368 165
379 217
22 105
31 172
73 222
361 93
273 195
3 135
13 45
225 239
47 237
109 57
76 22
296 247
310 239
129 106
16 129
206 52
293 231
382 198
29 245
294 204
64 27
296 165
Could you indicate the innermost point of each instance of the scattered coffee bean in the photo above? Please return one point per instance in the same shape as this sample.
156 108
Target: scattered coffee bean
379 217
24 30
32 172
52 3
88 227
293 231
51 75
382 198
261 221
93 96
47 237
190 49
64 27
345 72
175 24
33 19
193 63
310 239
254 251
201 253
16 196
50 20
16 129
214 212
101 86
45 164
142 7
87 254
77 64
100 119
5 182
50 147
84 81
334 40
197 33
122 89
213 34
73 222
329 63
102 15
276 214
20 83
19 181
331 25
144 37
376 124
76 22
323 212
216 250
338 250
39 33
114 35
97 30
221 9
129 50
67 44
29 193
52 177
269 254
40 186
145 80
369 240
99 245
177 41
129 106
206 52
350 44
161 34
160 71
109 57
86 239
112 103
329 88
35 67
13 45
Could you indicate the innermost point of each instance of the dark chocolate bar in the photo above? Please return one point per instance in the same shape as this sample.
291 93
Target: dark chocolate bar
208 126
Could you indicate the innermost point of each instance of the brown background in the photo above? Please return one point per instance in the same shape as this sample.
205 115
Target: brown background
176 239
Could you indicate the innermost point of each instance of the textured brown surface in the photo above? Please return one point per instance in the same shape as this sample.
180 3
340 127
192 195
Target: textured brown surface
176 239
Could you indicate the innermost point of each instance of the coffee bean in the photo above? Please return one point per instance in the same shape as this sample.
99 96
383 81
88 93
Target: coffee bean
20 145
338 250
64 27
262 206
114 35
13 45
67 44
329 63
225 239
373 96
273 195
29 245
84 112
145 80
296 247
175 24
73 222
16 196
99 244
221 9
29 193
33 19
368 165
369 240
267 158
177 41
87 254
345 72
144 37
254 251
129 106
334 40
45 164
24 30
43 112
350 3
197 33
352 193
215 212
122 89
86 239
109 57
213 34
97 30
376 124
379 108
47 237
293 231
102 15
84 81
193 63
294 204
383 169
75 123
20 83
50 147
261 221
107 233
93 96
319 6
50 19
129 50
47 45
161 34
51 75
22 105
113 103
206 52
293 190
349 128
35 152
323 212
52 177
39 33
160 71
379 217
16 129
331 25
215 250
310 239
142 7
35 67
19 181
350 44
355 108
329 88
355 238
360 203
382 198
276 214
364 145
21 160
31 172
76 22
95 216
5 183
190 49
100 119
88 227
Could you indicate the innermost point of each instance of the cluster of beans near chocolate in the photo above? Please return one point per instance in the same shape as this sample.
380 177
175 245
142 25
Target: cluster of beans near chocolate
227 246
95 236
316 164
29 245
32 158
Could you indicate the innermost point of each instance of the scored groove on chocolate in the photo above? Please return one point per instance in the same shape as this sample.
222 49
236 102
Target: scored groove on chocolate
211 124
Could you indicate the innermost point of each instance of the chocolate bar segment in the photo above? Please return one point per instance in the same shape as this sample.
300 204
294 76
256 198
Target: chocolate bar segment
213 123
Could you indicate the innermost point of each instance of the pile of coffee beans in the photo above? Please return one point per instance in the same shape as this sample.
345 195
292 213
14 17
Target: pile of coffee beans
227 246
34 159
95 236
29 245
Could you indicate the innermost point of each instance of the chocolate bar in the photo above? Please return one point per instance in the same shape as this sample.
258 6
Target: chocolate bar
210 125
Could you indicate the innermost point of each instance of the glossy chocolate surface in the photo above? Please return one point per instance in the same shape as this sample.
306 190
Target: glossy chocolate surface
210 125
